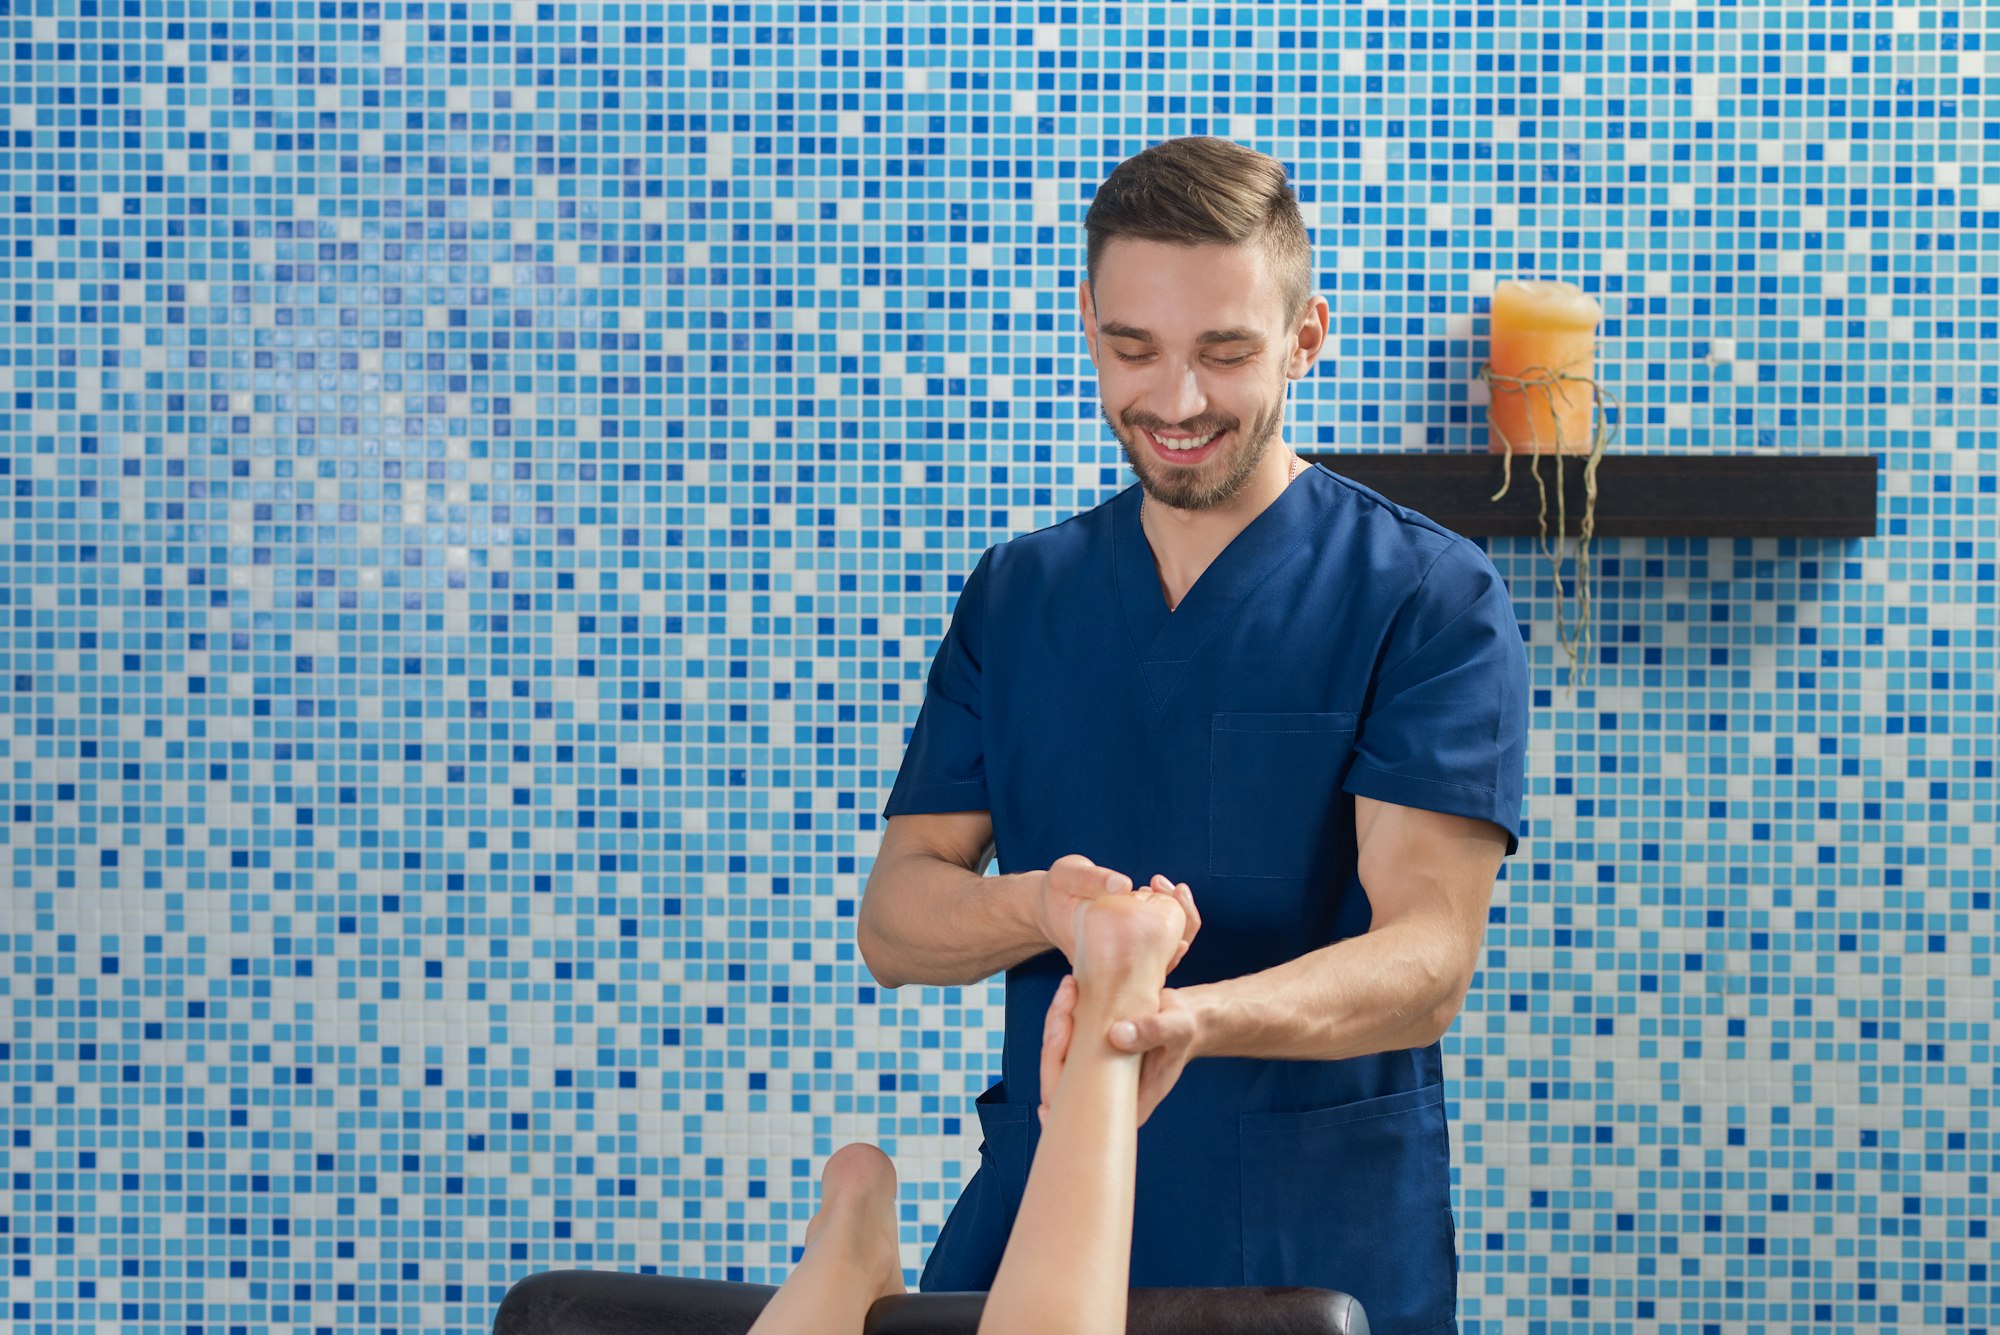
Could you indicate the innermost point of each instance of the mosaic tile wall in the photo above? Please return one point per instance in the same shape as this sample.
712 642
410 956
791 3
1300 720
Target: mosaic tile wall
483 484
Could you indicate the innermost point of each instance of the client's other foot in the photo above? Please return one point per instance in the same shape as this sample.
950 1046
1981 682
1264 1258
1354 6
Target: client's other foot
856 1221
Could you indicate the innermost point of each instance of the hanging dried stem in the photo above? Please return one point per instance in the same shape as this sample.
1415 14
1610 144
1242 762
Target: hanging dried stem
1550 383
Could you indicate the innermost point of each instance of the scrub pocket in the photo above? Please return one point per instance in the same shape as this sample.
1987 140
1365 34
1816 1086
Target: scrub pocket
1273 786
1357 1198
966 1256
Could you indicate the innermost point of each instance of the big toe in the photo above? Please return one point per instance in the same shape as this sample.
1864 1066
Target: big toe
857 1170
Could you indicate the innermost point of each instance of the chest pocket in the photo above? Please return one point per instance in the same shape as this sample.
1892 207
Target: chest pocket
1274 791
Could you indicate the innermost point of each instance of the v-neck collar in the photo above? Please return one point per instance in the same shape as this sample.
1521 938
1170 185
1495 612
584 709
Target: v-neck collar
1166 641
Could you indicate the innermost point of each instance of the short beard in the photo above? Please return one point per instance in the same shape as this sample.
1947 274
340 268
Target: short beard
1183 488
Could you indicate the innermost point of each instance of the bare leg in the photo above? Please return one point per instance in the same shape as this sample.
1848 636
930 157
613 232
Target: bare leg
851 1257
1068 1261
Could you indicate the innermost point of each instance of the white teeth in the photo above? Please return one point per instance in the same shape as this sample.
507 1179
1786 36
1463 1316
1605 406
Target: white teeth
1191 443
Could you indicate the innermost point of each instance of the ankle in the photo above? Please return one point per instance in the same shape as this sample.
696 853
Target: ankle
1097 1009
862 1241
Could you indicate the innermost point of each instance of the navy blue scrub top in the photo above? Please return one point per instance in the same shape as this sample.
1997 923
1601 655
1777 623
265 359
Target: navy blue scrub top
1340 645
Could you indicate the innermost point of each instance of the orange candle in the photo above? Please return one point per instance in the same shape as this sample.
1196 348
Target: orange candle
1542 330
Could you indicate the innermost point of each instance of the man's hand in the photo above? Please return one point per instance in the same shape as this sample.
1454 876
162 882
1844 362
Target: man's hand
1057 1030
1070 883
1193 915
1169 1037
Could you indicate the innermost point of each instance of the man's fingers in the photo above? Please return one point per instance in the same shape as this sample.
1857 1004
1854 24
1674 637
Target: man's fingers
1076 875
1193 914
1158 1073
1062 1010
1166 1038
1133 1035
1057 1030
1190 915
1165 1029
1185 898
1071 881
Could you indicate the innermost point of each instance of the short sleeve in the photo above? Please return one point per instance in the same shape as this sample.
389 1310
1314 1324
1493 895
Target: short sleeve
1447 726
944 766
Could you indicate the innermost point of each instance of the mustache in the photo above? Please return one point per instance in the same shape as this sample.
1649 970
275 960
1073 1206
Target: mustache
1197 429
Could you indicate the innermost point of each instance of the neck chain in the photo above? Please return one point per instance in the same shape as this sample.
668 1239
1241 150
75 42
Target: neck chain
1298 466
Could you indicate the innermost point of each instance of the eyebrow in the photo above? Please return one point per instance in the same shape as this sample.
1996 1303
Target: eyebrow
1117 330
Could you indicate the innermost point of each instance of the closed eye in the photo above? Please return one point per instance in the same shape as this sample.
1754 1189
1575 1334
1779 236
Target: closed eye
1134 359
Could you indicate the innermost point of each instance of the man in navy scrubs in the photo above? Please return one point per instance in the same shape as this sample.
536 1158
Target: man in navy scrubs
1264 681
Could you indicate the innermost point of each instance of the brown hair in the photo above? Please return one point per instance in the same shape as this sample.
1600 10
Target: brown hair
1205 191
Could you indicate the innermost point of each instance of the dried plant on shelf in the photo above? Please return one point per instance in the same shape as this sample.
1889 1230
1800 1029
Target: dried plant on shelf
1553 384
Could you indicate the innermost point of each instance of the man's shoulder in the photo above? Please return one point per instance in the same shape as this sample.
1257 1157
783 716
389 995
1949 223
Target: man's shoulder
1351 503
1058 549
1363 524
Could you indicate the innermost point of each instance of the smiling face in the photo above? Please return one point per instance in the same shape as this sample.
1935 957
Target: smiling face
1194 349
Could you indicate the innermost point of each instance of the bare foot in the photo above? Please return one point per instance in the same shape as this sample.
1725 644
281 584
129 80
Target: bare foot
1127 940
856 1220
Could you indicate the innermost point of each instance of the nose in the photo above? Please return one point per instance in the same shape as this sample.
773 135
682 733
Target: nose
1179 397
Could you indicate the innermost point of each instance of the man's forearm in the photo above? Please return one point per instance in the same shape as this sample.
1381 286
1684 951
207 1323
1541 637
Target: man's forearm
1397 987
1400 984
926 920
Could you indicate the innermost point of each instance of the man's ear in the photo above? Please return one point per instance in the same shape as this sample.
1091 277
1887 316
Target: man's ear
1086 309
1308 339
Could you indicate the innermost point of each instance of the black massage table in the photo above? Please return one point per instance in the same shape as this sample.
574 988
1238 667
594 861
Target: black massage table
609 1302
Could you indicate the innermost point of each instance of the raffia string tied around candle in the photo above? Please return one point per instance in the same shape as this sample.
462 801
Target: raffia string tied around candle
1557 384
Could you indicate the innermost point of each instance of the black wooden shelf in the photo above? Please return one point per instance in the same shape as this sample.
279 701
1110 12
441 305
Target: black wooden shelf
1638 495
